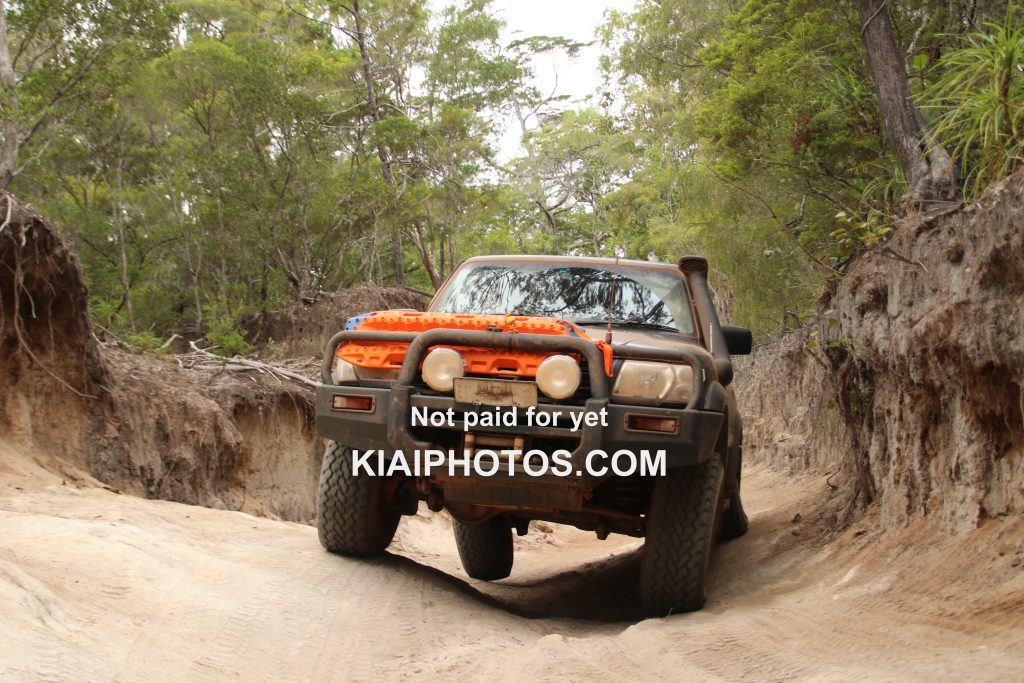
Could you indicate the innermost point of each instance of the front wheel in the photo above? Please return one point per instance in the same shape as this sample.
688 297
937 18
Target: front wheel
734 519
350 513
681 530
485 549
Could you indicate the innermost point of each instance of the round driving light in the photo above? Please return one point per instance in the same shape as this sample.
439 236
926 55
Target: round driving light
558 377
441 367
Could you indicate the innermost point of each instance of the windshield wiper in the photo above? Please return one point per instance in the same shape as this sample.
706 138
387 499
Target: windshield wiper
646 325
628 323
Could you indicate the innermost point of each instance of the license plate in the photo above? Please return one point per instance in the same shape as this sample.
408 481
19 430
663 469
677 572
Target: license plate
495 392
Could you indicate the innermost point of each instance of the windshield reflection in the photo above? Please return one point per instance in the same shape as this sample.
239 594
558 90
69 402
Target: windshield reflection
581 294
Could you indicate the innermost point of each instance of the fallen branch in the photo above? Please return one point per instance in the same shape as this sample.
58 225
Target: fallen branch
170 340
239 364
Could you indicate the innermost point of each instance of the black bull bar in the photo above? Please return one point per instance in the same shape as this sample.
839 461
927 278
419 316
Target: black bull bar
388 427
703 395
419 342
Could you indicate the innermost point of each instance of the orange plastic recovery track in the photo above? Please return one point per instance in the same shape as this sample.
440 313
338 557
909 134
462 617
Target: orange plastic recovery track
479 361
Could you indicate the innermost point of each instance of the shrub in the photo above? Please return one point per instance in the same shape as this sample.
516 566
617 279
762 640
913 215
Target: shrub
981 95
227 338
144 341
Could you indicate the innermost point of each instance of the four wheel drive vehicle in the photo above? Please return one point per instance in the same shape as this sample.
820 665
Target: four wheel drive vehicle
507 343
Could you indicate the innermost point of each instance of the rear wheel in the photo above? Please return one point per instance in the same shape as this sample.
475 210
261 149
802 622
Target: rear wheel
681 530
485 549
350 513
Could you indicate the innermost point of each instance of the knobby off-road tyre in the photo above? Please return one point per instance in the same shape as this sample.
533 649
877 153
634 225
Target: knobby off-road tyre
485 549
351 519
681 531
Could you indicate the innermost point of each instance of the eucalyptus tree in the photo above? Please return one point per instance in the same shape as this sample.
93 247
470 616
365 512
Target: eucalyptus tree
930 171
50 54
776 143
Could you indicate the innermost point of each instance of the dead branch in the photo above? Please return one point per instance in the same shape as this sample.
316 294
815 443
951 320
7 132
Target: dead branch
170 340
202 359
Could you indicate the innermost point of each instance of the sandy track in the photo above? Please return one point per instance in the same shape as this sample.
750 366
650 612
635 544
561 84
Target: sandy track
100 586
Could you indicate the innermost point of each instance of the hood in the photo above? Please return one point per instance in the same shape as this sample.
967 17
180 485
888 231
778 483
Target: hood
625 336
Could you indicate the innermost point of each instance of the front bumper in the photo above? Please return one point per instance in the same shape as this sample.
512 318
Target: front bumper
388 425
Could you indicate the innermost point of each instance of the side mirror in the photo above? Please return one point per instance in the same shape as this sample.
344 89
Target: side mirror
738 340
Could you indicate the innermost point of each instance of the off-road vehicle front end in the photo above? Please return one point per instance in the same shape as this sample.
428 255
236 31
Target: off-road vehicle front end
600 386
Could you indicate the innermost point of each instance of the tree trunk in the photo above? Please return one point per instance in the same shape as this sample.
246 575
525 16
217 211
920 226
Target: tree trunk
197 297
931 174
442 255
382 151
222 235
428 262
9 128
194 264
122 238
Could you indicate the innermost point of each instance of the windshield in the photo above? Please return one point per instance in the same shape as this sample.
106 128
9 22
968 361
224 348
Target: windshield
582 294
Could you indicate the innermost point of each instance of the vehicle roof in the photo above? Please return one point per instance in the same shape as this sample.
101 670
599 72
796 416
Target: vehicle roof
590 260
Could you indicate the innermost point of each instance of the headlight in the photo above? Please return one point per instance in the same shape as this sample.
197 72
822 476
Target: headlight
441 367
646 383
343 371
558 377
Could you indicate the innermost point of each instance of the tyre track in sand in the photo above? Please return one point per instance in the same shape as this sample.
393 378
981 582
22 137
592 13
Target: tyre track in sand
105 587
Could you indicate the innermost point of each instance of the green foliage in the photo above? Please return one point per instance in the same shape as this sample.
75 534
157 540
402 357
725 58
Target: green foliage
146 342
756 126
567 178
467 69
215 157
855 232
227 338
64 54
107 314
229 161
758 123
979 98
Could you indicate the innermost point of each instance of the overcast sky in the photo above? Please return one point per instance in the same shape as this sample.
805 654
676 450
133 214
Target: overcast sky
575 19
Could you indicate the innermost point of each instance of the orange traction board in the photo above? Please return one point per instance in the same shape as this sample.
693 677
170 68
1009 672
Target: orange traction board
479 360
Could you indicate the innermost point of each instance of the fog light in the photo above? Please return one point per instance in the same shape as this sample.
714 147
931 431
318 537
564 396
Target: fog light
558 377
441 367
364 403
642 423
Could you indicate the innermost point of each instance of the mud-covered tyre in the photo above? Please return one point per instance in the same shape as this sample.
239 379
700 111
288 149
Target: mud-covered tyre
734 519
485 549
350 516
681 531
